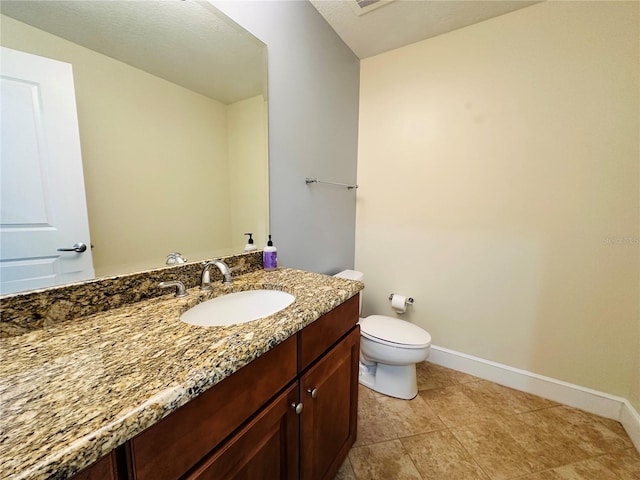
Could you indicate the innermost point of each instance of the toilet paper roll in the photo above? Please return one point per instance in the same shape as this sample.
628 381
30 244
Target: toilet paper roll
399 303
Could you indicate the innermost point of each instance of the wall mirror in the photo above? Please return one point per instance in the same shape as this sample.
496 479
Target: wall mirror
172 118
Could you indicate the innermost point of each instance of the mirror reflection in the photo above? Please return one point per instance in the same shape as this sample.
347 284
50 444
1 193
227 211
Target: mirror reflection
172 119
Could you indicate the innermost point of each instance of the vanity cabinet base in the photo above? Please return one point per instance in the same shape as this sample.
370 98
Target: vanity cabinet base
309 443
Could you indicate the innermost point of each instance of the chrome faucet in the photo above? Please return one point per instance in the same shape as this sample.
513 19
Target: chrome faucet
205 279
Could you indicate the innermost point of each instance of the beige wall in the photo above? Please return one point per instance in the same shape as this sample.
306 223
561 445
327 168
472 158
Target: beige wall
248 171
634 391
155 158
496 165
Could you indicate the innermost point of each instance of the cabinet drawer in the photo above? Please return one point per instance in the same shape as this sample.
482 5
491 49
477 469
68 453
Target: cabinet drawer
316 338
170 448
103 469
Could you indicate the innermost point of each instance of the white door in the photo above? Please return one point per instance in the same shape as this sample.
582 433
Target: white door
42 199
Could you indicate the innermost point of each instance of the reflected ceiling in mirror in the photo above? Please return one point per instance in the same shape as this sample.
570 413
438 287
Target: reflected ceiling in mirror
171 100
188 43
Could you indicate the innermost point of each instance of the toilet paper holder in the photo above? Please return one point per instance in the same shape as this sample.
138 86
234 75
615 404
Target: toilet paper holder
409 299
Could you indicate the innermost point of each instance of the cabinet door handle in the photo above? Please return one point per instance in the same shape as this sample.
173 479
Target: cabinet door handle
297 407
313 392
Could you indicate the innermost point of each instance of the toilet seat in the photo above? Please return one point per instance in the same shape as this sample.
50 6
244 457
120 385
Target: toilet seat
394 332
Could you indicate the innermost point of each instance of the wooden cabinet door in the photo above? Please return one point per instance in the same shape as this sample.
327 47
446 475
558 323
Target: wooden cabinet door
329 393
265 449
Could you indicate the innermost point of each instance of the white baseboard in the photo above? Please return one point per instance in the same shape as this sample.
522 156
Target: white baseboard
630 420
592 401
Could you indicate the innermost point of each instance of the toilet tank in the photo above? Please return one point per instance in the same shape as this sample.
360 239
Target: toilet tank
352 275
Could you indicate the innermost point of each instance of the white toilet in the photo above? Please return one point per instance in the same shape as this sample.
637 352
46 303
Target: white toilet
389 351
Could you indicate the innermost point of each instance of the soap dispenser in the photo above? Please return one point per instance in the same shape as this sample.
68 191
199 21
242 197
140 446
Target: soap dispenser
250 247
270 256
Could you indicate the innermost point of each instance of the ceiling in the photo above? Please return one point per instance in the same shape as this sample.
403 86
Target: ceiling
187 43
370 27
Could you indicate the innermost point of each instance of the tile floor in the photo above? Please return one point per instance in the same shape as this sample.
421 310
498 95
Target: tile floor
460 427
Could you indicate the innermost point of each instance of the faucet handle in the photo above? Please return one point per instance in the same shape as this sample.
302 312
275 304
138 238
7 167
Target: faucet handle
180 290
239 266
175 258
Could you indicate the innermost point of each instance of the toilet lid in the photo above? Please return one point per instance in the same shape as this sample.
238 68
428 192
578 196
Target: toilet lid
393 330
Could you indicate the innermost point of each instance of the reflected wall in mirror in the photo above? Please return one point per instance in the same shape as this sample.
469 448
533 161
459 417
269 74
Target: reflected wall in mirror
171 101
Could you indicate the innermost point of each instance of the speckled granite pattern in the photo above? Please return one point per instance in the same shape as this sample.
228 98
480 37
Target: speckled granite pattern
73 391
23 312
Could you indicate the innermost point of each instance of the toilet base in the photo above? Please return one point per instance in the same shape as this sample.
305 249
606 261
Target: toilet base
398 381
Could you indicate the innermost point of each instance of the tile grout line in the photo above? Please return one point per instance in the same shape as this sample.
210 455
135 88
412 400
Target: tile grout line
471 456
448 429
411 459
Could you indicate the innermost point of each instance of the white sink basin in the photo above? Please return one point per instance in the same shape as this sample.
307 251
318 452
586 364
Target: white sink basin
240 307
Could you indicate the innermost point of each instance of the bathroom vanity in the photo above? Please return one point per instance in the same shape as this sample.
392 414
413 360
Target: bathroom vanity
134 393
298 400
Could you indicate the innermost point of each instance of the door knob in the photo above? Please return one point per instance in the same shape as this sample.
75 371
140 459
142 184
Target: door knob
313 392
77 247
297 407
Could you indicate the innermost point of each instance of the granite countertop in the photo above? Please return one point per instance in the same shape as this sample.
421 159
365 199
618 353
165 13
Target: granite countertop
73 391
